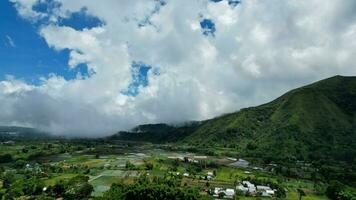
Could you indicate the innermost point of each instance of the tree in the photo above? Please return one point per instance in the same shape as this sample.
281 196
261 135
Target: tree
148 166
5 158
20 163
78 188
334 189
58 189
129 165
33 186
8 179
147 189
301 193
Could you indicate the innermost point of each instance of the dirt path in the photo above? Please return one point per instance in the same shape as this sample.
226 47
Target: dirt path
96 177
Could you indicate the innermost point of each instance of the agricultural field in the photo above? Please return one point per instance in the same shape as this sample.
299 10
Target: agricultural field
59 163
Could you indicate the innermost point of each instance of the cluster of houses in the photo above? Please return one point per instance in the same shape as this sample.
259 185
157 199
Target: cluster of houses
249 188
227 193
245 188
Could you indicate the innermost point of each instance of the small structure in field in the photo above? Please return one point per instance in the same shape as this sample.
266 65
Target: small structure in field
227 193
240 163
232 159
210 176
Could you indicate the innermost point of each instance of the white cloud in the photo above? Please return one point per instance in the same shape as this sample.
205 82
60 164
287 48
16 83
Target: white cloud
10 42
260 50
25 9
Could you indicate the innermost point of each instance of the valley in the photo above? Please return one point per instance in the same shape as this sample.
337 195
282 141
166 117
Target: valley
105 164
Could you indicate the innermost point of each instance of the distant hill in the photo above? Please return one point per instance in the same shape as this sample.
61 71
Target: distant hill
21 133
157 133
312 122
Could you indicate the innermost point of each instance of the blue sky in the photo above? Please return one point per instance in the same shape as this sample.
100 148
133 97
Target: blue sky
27 56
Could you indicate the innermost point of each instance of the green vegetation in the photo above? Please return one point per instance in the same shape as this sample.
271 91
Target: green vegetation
83 170
158 188
314 122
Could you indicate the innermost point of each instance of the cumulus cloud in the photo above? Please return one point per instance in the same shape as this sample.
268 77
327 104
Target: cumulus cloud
242 55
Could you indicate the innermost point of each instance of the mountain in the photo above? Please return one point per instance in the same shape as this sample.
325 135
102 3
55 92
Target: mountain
22 133
157 133
312 122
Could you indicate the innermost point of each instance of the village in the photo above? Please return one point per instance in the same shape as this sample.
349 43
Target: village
240 188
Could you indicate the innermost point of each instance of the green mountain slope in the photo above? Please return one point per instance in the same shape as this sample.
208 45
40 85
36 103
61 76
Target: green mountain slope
318 120
312 122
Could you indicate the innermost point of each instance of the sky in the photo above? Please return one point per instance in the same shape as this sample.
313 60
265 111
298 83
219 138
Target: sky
91 68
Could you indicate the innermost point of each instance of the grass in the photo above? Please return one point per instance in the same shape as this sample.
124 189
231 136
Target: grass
103 182
54 180
94 162
231 174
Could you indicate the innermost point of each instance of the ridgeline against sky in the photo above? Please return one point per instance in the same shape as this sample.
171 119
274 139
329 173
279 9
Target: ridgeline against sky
88 68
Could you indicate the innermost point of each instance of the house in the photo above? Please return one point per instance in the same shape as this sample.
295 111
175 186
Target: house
258 168
251 187
200 157
262 187
210 176
229 193
248 184
265 191
232 159
242 188
193 160
270 192
217 191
